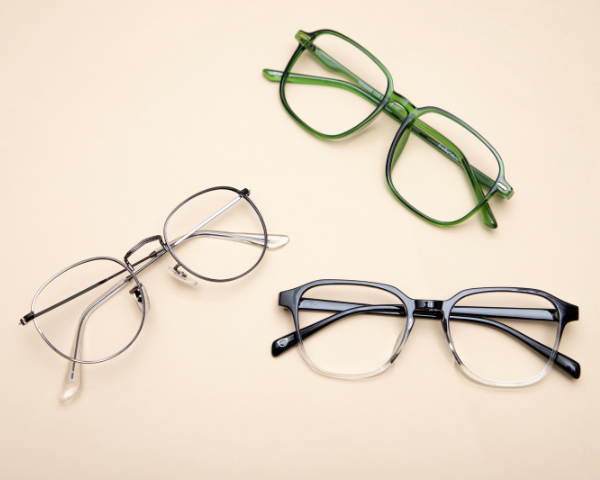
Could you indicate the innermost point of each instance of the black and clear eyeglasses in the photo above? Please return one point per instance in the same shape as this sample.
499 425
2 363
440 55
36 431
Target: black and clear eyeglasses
62 308
505 337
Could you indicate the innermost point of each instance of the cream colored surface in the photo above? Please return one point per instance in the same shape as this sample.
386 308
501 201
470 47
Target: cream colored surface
111 113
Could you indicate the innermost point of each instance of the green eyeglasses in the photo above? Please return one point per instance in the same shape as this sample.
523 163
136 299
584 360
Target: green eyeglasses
422 175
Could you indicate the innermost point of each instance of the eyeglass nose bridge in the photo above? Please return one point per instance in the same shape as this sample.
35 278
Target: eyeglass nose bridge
429 307
140 244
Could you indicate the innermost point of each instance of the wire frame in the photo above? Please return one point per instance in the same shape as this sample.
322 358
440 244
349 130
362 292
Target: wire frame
130 271
243 196
141 298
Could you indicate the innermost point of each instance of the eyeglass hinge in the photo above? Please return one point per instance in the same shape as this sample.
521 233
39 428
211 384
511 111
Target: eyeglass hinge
305 40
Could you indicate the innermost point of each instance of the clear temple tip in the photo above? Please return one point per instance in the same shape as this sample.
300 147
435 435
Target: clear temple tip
277 241
72 382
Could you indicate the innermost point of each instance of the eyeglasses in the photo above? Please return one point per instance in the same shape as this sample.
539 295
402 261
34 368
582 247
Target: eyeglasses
360 88
61 309
504 337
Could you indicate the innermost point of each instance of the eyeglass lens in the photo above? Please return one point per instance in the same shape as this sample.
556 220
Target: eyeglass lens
337 108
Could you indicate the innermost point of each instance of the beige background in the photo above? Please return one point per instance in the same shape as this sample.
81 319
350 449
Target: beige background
112 112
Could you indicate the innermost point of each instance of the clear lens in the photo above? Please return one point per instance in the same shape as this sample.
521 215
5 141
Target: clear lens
486 343
95 324
336 107
218 249
355 344
428 176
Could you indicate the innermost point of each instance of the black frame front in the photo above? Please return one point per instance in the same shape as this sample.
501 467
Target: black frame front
292 300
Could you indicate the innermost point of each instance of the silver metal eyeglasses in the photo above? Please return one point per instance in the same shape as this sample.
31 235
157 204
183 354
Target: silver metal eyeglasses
61 309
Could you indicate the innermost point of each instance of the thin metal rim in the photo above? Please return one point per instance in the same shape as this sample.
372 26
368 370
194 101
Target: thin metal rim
245 197
143 312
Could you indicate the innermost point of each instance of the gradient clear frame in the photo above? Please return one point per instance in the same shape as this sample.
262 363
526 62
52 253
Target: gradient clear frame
292 300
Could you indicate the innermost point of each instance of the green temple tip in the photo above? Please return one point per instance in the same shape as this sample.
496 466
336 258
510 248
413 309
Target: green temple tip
488 217
272 75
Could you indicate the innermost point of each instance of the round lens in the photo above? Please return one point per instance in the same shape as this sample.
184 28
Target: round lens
91 311
333 86
358 342
486 330
217 234
428 174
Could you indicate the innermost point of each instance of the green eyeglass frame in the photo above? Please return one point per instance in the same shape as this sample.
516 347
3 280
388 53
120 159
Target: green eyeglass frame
403 111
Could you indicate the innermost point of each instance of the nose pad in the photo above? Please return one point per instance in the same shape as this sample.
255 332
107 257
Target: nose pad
180 274
137 297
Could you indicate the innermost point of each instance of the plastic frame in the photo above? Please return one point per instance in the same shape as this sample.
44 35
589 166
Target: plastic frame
563 313
262 240
400 109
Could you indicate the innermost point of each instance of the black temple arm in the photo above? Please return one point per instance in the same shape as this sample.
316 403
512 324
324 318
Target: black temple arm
568 365
290 340
547 314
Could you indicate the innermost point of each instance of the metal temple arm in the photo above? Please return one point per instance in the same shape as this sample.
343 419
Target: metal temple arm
72 381
273 241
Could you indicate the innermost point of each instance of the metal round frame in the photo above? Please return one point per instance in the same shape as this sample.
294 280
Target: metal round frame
143 309
167 244
71 386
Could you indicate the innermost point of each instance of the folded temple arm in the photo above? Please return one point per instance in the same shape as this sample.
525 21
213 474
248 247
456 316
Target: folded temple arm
257 239
475 315
72 381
